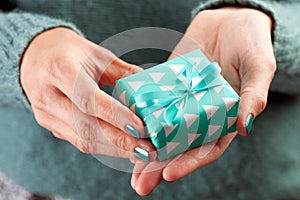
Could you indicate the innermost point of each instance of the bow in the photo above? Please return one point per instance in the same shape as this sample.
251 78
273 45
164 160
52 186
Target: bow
195 80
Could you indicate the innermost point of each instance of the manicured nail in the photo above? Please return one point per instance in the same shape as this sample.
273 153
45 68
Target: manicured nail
141 154
132 131
249 122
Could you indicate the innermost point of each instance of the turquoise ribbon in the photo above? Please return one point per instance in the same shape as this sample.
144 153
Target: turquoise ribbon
175 101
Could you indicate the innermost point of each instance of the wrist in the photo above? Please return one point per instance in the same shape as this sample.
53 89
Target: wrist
237 12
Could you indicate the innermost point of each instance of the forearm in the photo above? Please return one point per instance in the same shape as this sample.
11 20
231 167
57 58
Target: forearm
17 29
285 33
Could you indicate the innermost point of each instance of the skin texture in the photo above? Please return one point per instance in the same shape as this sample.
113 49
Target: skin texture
61 73
240 40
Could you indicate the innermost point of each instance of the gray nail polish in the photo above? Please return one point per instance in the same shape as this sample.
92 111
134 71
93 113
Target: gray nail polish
141 154
132 131
249 122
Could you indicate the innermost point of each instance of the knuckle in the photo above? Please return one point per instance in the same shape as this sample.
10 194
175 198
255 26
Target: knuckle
82 146
84 130
41 118
121 141
39 100
261 102
57 135
85 103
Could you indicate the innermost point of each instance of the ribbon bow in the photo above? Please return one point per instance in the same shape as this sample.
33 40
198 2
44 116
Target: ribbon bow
174 102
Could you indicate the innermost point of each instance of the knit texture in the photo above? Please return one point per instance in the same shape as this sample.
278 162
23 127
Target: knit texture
263 166
286 43
17 29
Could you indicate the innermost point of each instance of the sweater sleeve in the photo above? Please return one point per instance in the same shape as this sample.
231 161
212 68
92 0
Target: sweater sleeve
286 34
17 29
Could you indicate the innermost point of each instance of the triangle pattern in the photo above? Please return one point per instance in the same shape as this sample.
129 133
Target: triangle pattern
196 80
156 76
176 68
169 129
171 146
190 119
199 95
192 137
135 85
229 102
231 121
210 110
158 112
122 97
167 88
195 60
218 88
212 130
154 134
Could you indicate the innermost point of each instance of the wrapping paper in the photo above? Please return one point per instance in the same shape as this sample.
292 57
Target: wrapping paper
184 102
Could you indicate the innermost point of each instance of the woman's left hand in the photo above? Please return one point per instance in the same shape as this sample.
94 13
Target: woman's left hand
239 39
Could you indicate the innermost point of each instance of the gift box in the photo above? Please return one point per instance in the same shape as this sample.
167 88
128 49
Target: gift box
184 102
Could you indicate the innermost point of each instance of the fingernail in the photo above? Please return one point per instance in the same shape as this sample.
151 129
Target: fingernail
141 154
132 131
249 122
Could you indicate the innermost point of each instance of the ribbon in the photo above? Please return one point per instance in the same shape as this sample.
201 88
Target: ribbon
175 101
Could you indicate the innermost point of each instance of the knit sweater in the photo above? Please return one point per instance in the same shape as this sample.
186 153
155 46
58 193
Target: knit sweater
252 168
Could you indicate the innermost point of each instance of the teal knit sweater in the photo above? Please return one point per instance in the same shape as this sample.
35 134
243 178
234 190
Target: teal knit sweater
259 167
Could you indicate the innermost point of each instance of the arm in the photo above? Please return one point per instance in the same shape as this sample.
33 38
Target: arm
286 34
17 29
60 72
244 37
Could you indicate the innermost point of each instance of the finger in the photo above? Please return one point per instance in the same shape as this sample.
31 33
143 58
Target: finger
138 168
185 45
105 67
97 135
257 72
196 158
87 96
149 178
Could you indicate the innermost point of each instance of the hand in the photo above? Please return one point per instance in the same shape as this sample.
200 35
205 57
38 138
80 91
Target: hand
61 73
240 40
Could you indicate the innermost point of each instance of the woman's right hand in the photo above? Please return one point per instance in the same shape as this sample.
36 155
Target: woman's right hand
61 73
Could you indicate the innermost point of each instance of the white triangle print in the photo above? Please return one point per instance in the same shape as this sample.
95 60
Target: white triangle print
132 107
154 134
190 119
167 88
199 95
122 97
195 60
171 146
192 137
169 129
135 85
158 112
210 110
156 76
231 121
176 68
177 105
196 80
218 88
230 102
212 130
183 80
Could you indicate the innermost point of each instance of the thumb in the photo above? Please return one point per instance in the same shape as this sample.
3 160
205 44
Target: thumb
255 83
106 67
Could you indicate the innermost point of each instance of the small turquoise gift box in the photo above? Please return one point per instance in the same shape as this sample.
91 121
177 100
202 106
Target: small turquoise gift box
184 102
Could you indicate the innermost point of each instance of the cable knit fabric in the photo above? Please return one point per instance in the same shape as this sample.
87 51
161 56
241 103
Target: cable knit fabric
17 29
263 166
285 36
